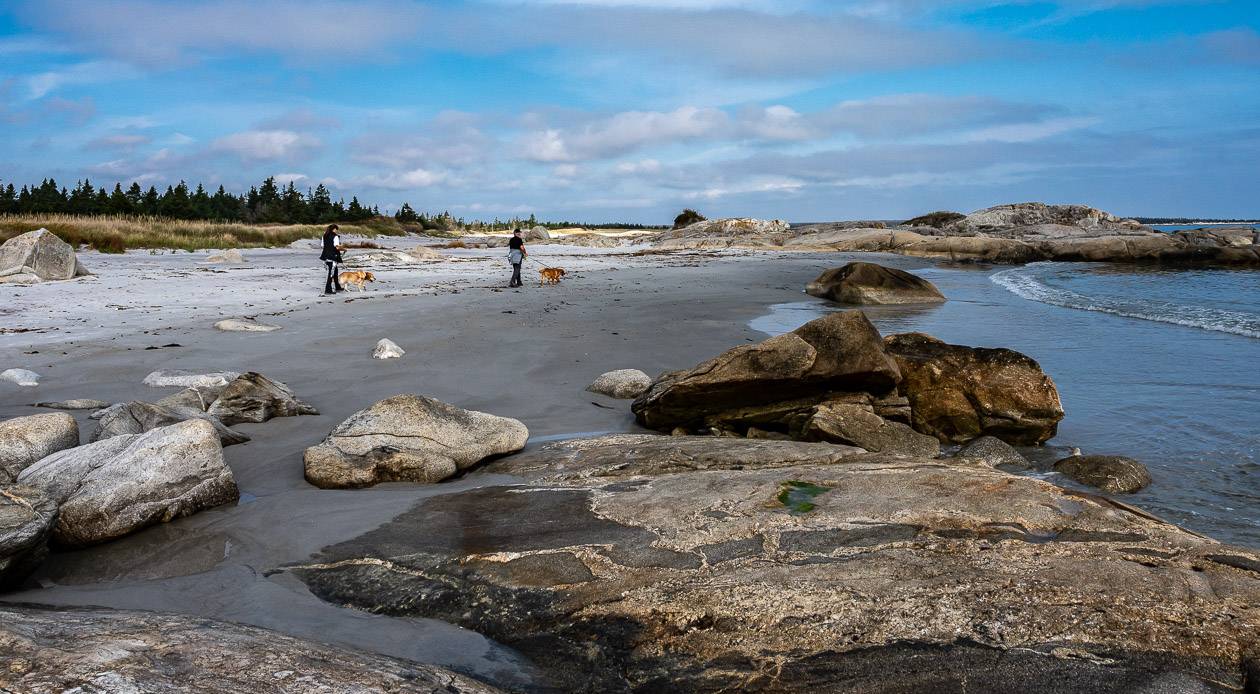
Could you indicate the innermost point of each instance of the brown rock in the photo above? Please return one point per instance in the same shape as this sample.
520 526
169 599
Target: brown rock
868 283
859 426
252 397
1111 473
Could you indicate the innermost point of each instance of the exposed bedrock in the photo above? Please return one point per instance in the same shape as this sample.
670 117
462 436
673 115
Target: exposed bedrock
685 564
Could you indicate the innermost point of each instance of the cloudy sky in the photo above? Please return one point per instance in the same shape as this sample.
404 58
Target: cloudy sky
629 110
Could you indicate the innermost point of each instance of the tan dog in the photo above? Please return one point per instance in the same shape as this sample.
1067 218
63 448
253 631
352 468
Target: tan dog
550 275
356 278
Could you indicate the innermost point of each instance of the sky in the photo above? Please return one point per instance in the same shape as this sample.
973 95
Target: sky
631 110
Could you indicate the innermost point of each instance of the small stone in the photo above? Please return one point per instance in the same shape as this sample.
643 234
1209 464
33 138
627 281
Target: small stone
387 349
624 384
244 325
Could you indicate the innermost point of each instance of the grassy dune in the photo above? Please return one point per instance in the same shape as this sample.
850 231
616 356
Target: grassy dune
117 234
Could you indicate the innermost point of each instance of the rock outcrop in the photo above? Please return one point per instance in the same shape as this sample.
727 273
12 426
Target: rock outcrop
101 650
122 484
725 233
137 417
230 255
1113 474
22 377
620 567
959 393
25 440
38 256
252 397
245 325
387 349
621 384
409 438
27 516
868 283
1027 214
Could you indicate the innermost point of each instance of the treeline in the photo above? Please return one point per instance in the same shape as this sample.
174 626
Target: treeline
263 204
1191 220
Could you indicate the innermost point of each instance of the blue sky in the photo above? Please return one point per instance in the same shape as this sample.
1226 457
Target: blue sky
629 110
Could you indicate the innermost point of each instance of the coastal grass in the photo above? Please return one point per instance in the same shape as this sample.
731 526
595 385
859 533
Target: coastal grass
115 234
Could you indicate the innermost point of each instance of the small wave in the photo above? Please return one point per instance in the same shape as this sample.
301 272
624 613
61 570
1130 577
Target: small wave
1022 281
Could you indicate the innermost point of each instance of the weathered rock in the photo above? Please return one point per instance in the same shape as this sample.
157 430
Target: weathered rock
425 253
244 325
102 650
138 417
382 256
27 516
621 384
231 255
187 379
252 397
858 425
959 393
76 404
24 440
839 352
868 283
589 240
537 233
23 377
387 349
1038 213
194 397
725 233
994 452
38 256
409 438
122 484
1113 474
616 572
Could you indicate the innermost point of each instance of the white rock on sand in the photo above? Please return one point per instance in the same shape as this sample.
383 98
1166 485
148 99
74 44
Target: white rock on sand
624 384
425 253
387 349
38 256
168 378
244 325
229 256
22 377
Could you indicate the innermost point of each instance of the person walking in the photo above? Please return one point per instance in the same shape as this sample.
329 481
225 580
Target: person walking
516 255
332 258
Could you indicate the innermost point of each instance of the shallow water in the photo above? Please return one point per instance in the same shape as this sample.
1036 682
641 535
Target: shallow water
1160 365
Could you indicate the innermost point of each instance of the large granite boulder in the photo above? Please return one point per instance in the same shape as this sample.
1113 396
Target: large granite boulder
622 383
537 233
252 397
38 256
101 650
841 352
126 483
138 417
959 393
868 283
617 570
409 438
24 440
27 516
1114 474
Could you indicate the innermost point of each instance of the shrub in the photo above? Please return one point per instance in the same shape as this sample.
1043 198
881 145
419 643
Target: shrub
935 219
687 218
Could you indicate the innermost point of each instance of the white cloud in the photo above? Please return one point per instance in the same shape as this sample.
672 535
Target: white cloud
645 166
1030 132
405 180
545 146
285 179
624 132
257 145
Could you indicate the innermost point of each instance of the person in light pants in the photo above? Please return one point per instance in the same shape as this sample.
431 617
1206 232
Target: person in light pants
516 255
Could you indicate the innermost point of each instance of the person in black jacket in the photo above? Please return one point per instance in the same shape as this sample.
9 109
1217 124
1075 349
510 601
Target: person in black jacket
331 257
516 255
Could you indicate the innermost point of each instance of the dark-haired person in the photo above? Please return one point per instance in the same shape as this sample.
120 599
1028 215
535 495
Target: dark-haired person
516 255
332 258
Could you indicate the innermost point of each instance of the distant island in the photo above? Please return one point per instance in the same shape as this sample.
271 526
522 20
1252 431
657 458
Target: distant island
1193 220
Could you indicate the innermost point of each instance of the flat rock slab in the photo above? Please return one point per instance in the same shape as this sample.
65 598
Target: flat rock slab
409 438
25 440
122 484
27 516
167 378
76 404
244 325
101 650
871 573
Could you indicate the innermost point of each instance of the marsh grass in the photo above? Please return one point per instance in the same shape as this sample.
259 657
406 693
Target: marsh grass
119 233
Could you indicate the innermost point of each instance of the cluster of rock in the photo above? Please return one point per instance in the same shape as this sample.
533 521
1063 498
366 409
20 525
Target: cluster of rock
1017 233
145 463
38 256
836 380
652 563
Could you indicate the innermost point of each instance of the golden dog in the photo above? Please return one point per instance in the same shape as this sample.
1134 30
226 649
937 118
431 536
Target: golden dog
356 278
550 275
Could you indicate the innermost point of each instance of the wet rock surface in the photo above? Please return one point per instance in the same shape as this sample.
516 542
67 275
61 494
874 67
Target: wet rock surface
138 417
100 650
868 283
409 438
994 452
959 393
252 397
622 383
1111 473
25 440
623 565
27 516
125 483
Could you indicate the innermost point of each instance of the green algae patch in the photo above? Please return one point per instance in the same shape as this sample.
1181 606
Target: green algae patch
798 496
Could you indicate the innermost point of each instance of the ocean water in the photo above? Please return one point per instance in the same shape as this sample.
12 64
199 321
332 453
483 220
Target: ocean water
1161 365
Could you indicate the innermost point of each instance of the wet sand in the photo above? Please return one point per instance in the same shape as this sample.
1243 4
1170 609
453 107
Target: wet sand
526 354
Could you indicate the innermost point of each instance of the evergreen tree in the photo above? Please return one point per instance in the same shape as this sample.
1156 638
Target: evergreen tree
321 207
150 202
135 199
355 211
8 200
406 215
118 202
199 205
